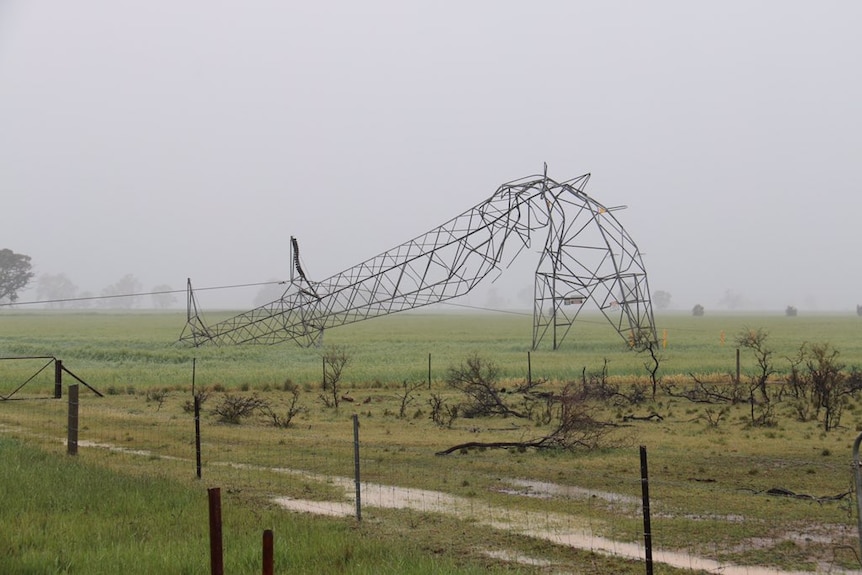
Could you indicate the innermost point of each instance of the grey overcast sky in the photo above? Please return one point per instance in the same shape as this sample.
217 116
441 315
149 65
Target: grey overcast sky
193 138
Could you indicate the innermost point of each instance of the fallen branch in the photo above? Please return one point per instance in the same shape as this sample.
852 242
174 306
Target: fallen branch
651 417
575 428
493 445
787 493
563 438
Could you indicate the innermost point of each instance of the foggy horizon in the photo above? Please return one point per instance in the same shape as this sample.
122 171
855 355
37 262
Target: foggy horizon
188 140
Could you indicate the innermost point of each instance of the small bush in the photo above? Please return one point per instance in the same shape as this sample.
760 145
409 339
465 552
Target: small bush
157 396
284 419
233 408
202 396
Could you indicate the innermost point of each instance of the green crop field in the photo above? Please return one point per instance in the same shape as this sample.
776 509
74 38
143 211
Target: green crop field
745 483
139 348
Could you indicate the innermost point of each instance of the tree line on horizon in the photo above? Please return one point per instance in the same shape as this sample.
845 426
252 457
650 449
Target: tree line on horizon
58 291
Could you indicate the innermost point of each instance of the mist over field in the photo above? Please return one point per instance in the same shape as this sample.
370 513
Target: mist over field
167 141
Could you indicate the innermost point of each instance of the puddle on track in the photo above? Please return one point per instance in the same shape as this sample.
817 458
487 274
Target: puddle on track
554 527
545 490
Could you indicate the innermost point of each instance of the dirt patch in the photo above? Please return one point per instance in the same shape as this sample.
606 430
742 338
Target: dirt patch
333 508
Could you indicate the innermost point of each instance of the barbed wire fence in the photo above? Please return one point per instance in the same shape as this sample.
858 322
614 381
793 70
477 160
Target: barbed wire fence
315 471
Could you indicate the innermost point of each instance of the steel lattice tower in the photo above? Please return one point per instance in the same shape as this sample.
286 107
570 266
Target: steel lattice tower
587 256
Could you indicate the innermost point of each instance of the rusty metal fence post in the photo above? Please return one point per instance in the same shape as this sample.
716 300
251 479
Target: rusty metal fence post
72 422
268 562
216 547
356 467
647 528
197 403
58 378
857 475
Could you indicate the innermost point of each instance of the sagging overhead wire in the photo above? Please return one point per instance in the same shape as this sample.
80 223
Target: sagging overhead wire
224 287
140 294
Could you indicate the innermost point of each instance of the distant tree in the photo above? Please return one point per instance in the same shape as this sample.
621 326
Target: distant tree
697 310
269 292
57 288
525 295
122 294
494 299
15 274
859 310
790 311
732 300
661 299
162 296
84 300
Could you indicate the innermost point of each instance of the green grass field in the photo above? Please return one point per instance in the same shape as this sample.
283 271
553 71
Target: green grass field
711 470
140 349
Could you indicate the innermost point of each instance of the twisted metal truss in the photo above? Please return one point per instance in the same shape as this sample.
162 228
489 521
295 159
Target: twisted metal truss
587 256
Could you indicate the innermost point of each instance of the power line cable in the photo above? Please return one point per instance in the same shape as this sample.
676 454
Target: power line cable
116 296
480 308
234 286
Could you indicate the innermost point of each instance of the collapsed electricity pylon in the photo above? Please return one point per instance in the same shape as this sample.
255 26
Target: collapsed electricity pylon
587 256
